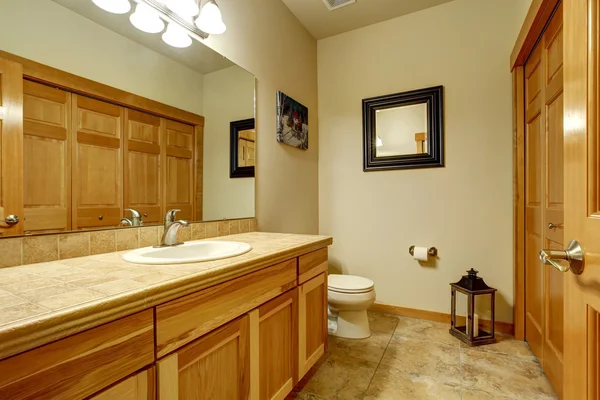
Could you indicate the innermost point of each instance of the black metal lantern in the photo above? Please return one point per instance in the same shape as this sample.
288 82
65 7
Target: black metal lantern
472 332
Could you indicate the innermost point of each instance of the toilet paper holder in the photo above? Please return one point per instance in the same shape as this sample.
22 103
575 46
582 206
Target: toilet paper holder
432 251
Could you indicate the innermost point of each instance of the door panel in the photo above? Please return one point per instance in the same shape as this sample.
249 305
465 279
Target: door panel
534 180
142 178
312 322
179 159
97 176
11 146
46 158
582 197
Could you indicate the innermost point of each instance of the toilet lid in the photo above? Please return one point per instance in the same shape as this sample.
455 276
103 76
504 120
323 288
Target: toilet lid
349 283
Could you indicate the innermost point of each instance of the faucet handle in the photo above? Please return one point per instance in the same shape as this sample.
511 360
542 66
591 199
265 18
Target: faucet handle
170 216
134 213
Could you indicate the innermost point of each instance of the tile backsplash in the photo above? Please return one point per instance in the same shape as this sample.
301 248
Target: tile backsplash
61 246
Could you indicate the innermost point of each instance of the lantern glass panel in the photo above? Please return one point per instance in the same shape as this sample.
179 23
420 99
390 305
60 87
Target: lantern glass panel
483 315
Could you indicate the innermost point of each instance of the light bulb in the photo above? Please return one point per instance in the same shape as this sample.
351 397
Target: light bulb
184 8
176 36
146 19
114 6
210 19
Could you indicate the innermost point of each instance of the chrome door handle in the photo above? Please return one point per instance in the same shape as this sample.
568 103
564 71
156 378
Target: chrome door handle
573 256
11 220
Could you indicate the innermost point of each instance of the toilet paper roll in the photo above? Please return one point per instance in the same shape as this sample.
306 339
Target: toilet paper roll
420 253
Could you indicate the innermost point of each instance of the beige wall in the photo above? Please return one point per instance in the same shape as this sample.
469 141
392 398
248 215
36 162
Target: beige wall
265 38
46 32
464 209
228 96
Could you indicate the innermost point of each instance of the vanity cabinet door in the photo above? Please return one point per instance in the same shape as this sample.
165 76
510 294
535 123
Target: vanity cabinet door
141 158
216 366
312 322
274 347
141 386
97 163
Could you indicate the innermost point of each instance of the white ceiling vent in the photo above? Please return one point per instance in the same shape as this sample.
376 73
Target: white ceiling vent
335 4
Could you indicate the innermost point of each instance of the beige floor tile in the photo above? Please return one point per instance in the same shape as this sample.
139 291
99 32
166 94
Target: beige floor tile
425 330
369 349
507 345
303 396
392 384
382 322
339 378
473 394
505 376
21 311
425 358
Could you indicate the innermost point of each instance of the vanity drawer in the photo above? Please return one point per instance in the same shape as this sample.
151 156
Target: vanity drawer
312 264
83 364
181 321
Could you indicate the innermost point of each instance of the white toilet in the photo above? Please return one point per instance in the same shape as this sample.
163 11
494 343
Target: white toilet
349 298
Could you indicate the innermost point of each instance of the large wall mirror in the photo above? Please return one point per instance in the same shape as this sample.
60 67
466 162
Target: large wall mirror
117 123
404 130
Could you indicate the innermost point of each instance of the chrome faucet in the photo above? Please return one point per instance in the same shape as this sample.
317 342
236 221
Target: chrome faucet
135 220
169 237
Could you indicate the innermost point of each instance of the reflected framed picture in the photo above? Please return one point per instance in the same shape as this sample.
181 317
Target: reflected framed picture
242 148
404 130
292 122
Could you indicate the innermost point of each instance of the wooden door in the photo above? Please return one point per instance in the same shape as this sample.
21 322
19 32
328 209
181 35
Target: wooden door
180 168
11 146
141 159
582 197
46 158
216 366
274 346
97 163
544 198
141 386
312 322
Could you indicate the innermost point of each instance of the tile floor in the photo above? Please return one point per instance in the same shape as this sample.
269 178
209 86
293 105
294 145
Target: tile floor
408 359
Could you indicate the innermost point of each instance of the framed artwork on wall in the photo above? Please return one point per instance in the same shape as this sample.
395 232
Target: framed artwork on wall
292 122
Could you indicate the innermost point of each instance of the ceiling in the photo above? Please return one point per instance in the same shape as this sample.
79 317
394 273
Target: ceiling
197 57
322 23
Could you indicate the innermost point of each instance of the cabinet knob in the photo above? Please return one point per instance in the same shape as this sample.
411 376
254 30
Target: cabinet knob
145 214
101 217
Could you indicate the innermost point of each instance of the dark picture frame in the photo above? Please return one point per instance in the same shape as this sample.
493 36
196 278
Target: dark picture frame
235 171
433 97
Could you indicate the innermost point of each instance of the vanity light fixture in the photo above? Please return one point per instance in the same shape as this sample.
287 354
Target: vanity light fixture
176 36
184 8
146 19
114 6
210 19
151 16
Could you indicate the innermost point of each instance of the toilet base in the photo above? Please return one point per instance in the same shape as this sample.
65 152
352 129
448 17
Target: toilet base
353 325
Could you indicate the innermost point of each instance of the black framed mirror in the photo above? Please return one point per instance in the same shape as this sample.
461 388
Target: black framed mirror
404 130
242 148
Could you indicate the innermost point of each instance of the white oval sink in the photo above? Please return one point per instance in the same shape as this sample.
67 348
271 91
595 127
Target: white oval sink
187 253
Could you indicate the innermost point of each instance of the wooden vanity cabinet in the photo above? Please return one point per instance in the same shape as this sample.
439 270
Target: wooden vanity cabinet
312 322
216 366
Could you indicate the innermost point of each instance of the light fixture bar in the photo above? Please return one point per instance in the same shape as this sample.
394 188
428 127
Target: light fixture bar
169 16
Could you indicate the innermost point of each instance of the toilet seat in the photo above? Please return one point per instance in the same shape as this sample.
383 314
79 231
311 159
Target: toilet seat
349 284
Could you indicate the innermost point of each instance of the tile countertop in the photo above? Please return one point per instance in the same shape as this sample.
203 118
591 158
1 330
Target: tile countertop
40 303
